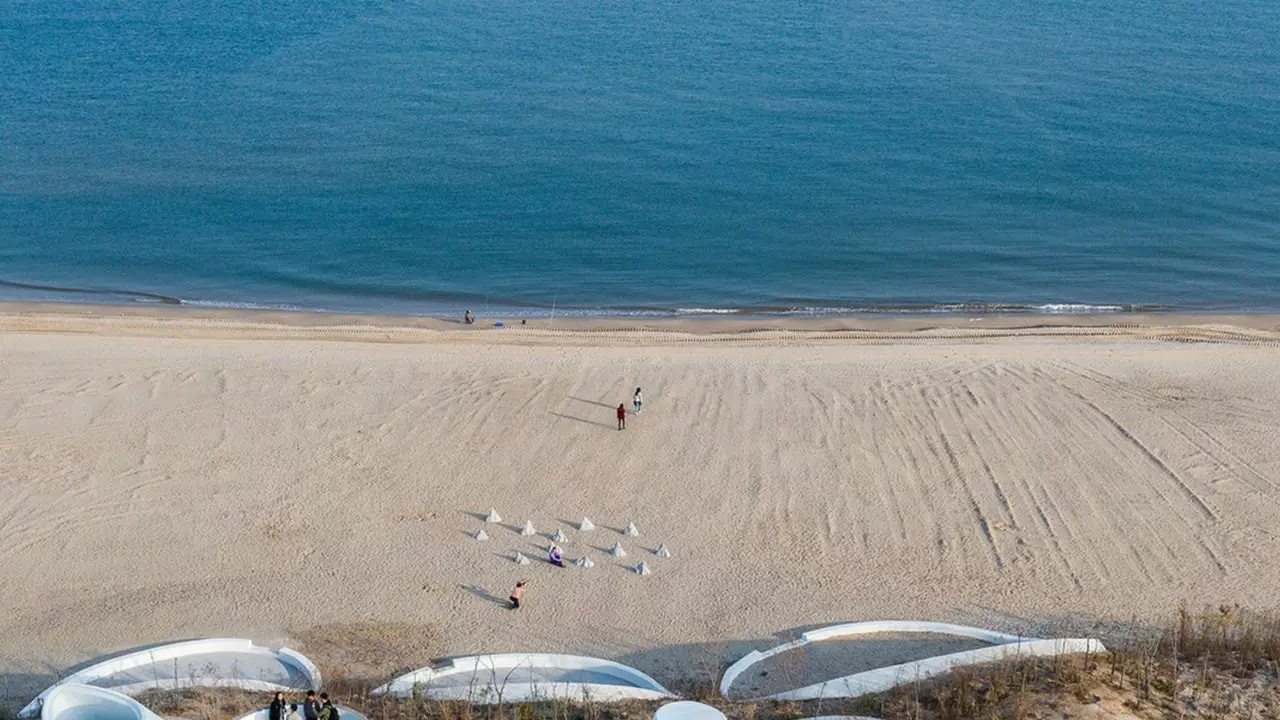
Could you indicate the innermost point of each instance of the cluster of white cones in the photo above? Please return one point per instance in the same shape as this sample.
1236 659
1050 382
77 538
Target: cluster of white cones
561 538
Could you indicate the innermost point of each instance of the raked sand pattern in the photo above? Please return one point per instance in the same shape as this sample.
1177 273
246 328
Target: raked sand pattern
163 487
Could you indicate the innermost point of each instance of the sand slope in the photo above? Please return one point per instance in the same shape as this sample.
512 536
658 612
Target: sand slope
158 488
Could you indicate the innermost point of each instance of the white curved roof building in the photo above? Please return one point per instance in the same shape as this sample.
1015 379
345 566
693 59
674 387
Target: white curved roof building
212 662
73 701
998 646
525 677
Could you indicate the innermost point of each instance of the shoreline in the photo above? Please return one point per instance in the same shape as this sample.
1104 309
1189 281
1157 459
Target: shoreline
160 320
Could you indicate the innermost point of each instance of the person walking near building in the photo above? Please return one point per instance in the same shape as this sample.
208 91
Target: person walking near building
327 710
622 416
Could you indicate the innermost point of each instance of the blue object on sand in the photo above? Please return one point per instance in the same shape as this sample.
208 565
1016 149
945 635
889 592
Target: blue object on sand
497 324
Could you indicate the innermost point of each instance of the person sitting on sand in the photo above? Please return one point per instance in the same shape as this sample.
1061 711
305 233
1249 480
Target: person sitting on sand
516 595
622 417
468 319
555 555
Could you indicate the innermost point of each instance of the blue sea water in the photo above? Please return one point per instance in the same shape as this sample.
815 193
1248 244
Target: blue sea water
426 156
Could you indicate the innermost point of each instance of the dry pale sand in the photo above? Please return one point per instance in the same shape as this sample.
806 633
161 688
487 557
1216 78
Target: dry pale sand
166 477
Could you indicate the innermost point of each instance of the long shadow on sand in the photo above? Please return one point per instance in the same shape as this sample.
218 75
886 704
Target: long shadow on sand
484 594
606 426
592 402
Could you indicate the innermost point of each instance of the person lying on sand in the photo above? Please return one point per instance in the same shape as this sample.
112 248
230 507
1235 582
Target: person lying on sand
555 555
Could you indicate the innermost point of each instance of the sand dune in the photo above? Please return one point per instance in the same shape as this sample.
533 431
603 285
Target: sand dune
178 482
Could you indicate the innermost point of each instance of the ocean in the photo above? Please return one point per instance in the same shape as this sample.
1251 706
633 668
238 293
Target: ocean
642 156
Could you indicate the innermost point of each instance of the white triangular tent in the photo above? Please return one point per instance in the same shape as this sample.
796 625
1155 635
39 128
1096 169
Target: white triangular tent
631 530
493 516
528 529
560 537
662 551
617 550
642 568
481 535
586 525
520 559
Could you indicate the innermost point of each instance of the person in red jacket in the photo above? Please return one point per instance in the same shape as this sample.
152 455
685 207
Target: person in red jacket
622 416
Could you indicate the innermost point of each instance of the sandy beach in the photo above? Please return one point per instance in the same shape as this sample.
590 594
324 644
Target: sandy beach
315 480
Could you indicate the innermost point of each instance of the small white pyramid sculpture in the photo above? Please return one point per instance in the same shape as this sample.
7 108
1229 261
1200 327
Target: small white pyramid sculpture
481 534
520 559
528 529
586 525
493 516
662 551
560 537
631 530
584 561
642 568
617 550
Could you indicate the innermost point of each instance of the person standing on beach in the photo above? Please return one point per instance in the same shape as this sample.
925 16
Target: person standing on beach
276 711
516 595
622 416
638 400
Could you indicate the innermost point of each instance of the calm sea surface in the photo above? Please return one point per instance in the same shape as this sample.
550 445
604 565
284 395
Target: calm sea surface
428 156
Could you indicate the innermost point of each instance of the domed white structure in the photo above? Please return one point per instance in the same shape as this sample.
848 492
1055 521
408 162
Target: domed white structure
210 662
521 677
74 701
997 646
